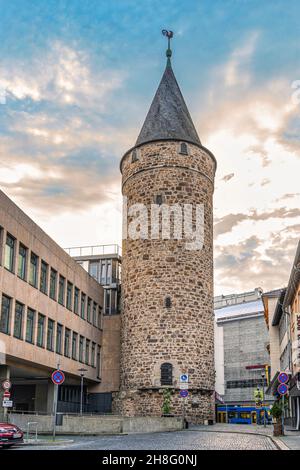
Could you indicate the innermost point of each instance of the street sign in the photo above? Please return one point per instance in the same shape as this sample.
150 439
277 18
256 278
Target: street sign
7 404
282 389
6 385
183 393
184 378
283 378
183 386
258 394
6 394
58 377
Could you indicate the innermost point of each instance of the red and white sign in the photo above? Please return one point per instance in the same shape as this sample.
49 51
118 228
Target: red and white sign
6 385
6 394
58 377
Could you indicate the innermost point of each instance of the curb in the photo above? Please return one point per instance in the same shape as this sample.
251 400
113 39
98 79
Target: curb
46 443
279 444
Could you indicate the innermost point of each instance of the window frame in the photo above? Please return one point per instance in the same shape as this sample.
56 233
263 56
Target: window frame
31 311
44 277
19 315
24 262
12 253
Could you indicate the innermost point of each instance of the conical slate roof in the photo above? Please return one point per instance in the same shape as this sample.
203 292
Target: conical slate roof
168 116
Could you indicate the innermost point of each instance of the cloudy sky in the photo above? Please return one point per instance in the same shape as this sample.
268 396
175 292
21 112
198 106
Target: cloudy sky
76 81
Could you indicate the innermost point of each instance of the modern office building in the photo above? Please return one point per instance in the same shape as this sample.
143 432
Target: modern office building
51 315
103 263
241 340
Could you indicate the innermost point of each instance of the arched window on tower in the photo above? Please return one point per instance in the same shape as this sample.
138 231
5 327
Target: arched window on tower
166 374
183 148
168 302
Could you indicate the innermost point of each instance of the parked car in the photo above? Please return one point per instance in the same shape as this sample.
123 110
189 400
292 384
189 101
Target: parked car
10 435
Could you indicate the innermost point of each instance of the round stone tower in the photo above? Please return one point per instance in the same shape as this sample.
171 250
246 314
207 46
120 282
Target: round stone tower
167 270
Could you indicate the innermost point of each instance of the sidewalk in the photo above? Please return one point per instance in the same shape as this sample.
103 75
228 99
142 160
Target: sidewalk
290 441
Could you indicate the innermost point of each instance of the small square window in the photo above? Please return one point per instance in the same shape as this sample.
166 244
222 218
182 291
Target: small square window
183 148
134 155
158 199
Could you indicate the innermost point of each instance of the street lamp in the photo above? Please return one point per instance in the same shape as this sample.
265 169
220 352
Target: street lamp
82 371
263 390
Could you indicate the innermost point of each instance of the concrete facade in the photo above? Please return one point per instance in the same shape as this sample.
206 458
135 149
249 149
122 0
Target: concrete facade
245 339
93 425
51 313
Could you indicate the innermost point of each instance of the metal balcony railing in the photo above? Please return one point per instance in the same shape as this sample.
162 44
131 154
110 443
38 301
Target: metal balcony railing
93 250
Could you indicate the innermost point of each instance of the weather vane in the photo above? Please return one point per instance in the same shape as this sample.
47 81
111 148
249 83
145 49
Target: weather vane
169 35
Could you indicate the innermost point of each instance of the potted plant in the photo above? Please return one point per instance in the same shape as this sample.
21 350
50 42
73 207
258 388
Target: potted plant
166 406
276 412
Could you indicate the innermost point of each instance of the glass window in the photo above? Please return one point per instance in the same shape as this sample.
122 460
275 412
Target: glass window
81 340
41 330
67 342
69 295
107 301
44 277
99 318
33 269
93 269
108 272
89 308
103 272
74 346
76 300
113 301
50 335
93 354
9 253
166 374
82 308
22 262
98 362
53 281
18 320
5 314
59 336
61 290
87 351
94 314
30 326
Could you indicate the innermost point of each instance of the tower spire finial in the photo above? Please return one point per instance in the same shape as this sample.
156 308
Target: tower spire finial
169 35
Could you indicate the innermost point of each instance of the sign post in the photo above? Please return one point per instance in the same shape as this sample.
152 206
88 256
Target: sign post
57 377
183 385
282 389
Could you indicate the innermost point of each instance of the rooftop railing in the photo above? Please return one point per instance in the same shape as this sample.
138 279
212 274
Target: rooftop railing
94 250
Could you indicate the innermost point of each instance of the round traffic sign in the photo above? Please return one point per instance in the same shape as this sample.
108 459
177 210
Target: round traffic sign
58 377
6 385
283 378
6 394
184 378
282 389
183 393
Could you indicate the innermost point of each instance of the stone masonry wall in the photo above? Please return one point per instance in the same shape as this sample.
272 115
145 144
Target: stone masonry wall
153 269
